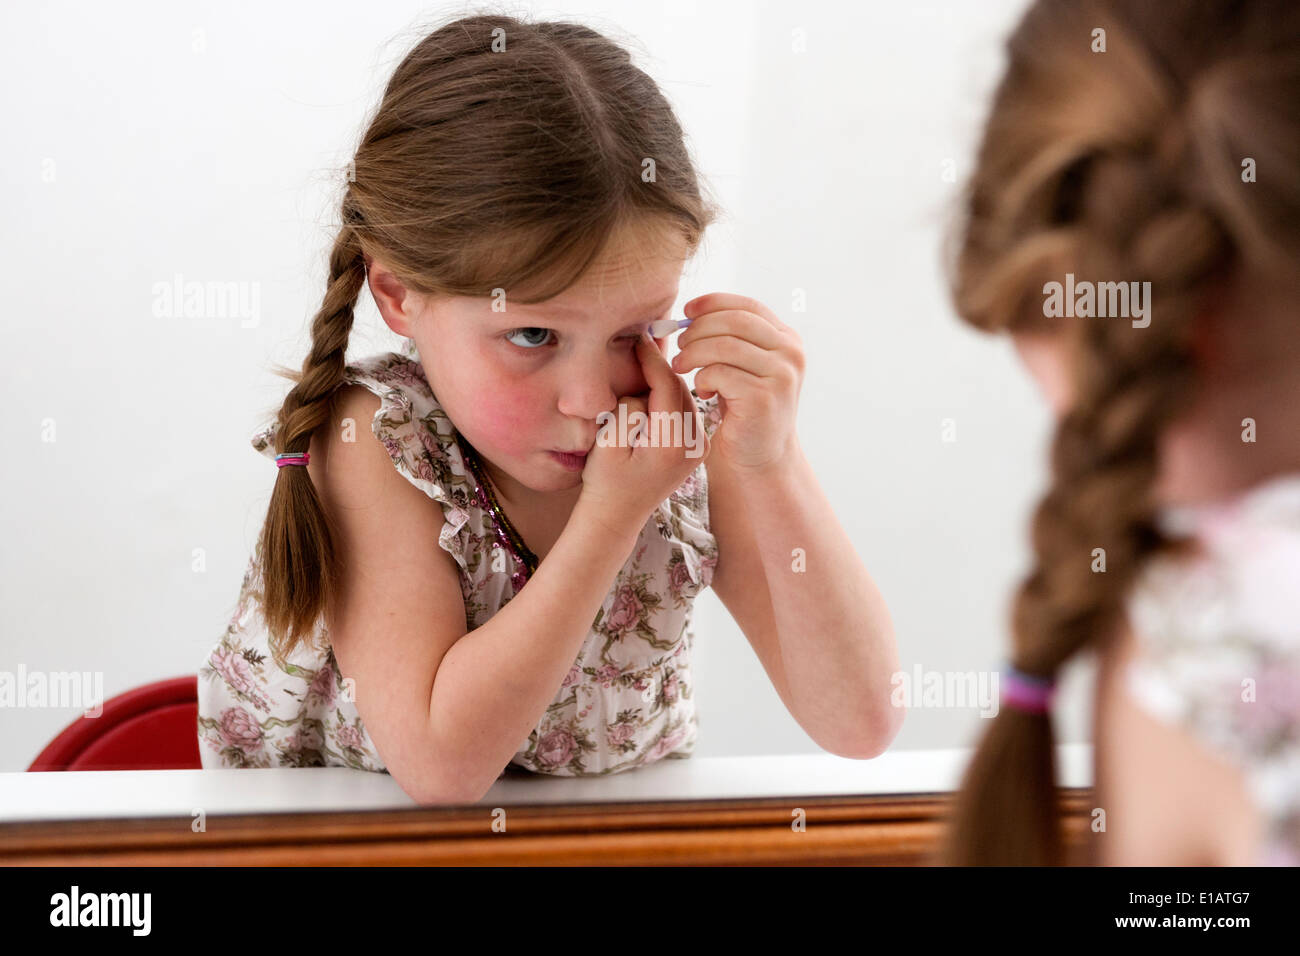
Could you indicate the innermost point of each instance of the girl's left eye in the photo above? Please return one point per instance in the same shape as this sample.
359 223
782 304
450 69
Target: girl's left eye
532 345
530 333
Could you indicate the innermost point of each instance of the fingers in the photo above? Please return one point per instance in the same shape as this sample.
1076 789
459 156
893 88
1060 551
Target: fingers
669 394
741 323
666 386
635 436
730 350
720 301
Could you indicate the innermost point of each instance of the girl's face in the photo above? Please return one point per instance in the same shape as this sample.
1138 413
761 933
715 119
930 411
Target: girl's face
1043 355
523 381
1246 365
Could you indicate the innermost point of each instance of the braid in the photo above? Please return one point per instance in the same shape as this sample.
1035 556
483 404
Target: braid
297 543
322 370
1118 202
1104 461
1127 162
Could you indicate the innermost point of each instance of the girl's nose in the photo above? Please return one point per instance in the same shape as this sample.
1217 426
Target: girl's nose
586 395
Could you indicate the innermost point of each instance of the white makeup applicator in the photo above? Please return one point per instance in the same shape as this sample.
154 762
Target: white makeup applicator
662 327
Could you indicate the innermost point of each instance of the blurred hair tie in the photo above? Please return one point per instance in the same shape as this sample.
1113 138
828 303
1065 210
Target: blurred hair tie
292 458
1025 692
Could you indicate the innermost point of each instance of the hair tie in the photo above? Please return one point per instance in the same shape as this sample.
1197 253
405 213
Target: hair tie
292 458
1028 693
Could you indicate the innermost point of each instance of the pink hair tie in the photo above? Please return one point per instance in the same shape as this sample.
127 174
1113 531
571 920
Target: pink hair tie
292 458
1026 692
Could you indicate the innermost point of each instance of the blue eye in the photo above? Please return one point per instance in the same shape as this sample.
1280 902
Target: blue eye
513 332
535 337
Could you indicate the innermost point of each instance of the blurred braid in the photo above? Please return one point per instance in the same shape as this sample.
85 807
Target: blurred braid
1110 198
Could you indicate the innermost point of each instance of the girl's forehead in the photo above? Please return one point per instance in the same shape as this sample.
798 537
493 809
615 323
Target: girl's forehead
634 269
627 277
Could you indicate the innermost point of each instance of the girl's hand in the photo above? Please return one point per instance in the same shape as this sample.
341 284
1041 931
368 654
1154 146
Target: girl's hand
625 482
755 362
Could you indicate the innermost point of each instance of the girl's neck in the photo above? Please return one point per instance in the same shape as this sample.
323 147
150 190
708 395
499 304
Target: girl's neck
518 499
1240 428
1232 441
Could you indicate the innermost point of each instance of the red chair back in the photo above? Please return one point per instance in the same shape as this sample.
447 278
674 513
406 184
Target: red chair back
154 727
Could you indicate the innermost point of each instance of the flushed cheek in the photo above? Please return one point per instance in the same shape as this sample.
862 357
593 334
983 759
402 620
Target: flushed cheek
514 420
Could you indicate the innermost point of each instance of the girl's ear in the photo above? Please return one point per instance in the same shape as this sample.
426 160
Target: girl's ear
397 306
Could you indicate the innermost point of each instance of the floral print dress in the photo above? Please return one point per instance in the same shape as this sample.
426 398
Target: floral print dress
626 701
1218 646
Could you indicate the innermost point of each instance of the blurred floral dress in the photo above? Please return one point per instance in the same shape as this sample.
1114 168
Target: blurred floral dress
1219 646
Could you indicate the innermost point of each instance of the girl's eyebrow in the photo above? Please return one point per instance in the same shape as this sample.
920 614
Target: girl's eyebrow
650 311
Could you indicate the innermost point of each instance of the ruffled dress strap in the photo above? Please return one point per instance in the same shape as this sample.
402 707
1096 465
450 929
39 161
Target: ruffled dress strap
420 439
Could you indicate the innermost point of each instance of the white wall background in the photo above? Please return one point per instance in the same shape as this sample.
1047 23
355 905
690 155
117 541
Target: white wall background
204 139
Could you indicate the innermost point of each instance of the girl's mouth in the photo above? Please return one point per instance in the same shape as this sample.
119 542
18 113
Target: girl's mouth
570 460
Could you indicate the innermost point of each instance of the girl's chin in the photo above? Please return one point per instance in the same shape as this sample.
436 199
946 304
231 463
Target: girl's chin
552 477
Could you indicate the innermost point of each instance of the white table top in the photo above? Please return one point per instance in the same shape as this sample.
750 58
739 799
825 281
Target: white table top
79 795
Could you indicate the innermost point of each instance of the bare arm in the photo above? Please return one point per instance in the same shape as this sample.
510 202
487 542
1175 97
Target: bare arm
497 681
1169 800
787 572
447 709
824 634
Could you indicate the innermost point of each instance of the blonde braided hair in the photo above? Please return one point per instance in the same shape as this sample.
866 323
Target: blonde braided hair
1123 165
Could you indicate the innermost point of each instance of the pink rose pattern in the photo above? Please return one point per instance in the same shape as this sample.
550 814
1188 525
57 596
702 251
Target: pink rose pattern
237 671
627 611
626 701
322 685
239 729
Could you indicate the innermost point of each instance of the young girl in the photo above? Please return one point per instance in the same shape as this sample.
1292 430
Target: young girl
1133 142
478 578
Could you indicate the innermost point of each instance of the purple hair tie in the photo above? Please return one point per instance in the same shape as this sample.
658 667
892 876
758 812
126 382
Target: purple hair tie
1025 692
292 458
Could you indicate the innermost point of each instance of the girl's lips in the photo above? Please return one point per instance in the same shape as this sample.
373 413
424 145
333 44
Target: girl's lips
570 460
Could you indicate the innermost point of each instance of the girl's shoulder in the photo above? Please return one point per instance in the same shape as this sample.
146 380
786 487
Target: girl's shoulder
417 434
409 418
1218 639
1243 577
